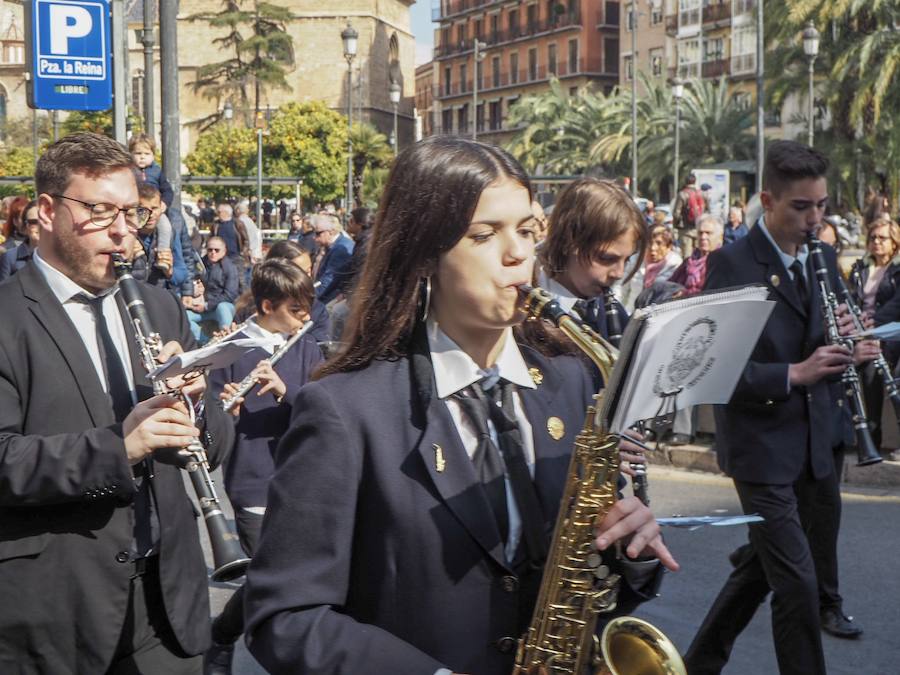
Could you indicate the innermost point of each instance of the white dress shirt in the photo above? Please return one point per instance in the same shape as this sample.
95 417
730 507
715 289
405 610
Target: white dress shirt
454 370
560 293
82 317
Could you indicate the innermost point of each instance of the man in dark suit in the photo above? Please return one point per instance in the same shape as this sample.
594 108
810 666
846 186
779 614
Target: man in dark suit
775 436
101 569
16 257
334 263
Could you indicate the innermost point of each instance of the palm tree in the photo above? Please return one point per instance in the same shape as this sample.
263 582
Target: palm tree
371 151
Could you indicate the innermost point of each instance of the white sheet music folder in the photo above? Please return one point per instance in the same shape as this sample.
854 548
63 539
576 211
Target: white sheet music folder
698 346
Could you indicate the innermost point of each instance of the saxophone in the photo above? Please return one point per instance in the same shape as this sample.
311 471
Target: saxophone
577 586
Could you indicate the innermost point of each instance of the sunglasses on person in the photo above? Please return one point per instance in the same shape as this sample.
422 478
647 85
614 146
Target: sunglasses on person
214 249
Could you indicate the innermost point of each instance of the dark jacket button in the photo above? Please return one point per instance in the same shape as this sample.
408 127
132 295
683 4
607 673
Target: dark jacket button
123 557
509 583
506 645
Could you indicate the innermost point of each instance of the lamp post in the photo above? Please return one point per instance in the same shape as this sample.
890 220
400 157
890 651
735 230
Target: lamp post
349 37
145 37
811 49
632 21
478 57
677 93
260 130
760 97
395 101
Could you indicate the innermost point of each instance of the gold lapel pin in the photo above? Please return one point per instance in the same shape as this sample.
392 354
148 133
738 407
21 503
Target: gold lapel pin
439 463
536 376
775 280
555 428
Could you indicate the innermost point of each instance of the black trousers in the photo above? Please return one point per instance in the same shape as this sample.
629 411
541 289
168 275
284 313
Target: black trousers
778 559
229 625
147 645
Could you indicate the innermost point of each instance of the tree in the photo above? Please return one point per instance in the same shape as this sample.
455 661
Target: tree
304 140
371 152
259 62
17 162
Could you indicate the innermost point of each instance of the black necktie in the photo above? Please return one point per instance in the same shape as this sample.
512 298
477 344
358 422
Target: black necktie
116 380
497 403
800 282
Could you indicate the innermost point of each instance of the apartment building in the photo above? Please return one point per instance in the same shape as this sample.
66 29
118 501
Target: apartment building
425 87
522 46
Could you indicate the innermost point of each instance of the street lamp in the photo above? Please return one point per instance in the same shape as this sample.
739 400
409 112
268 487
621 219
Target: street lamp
228 112
632 24
760 96
395 101
478 58
811 49
260 130
349 37
677 93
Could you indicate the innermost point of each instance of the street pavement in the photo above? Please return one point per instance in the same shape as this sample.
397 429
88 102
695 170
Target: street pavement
870 583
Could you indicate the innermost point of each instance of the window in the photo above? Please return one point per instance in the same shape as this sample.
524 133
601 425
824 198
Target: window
495 28
445 37
495 71
611 13
461 33
713 49
479 74
656 12
629 68
531 15
689 14
137 91
611 56
551 59
532 64
657 58
462 120
479 117
463 77
629 18
744 6
573 91
743 100
743 50
514 23
513 68
3 105
478 27
496 115
448 77
573 55
447 121
689 58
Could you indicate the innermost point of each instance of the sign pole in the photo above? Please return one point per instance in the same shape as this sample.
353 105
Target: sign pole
119 75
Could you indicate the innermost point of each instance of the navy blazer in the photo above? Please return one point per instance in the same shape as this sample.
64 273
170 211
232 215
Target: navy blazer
15 259
768 433
375 556
336 269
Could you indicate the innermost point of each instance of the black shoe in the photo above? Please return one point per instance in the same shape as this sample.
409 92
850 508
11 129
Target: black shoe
679 439
835 623
217 659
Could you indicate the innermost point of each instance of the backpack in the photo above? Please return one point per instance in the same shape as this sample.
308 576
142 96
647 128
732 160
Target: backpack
692 208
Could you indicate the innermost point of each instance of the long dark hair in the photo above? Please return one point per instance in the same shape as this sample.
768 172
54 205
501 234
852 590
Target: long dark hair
427 206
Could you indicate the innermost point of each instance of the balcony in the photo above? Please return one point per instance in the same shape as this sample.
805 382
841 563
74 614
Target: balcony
743 65
564 69
672 25
744 7
608 17
716 68
717 13
559 22
454 7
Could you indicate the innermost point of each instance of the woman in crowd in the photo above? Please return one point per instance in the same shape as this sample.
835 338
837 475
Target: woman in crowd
660 262
393 540
692 272
875 282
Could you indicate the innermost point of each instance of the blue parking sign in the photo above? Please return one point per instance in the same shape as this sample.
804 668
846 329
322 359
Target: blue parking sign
69 55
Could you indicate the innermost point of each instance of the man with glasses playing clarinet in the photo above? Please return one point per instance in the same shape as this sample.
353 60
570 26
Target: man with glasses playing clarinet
101 569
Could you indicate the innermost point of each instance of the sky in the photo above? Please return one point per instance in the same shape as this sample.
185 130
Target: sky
423 29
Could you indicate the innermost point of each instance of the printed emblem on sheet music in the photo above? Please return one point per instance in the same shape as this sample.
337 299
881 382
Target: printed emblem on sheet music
689 361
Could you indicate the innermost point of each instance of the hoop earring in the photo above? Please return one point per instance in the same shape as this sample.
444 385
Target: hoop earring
425 296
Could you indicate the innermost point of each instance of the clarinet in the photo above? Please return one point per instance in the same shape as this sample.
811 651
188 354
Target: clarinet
250 381
639 483
881 365
229 559
866 451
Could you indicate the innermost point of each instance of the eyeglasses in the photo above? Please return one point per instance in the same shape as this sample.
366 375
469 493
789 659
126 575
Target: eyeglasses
878 237
318 232
103 215
32 221
213 249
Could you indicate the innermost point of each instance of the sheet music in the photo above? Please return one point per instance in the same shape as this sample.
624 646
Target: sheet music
697 346
211 357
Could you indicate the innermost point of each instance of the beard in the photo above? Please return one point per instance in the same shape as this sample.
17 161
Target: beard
78 264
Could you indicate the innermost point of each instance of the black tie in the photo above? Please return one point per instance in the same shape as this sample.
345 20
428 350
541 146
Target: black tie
146 523
497 403
116 380
800 282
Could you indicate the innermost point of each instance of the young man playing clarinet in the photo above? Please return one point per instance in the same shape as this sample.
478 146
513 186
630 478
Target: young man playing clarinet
775 435
101 569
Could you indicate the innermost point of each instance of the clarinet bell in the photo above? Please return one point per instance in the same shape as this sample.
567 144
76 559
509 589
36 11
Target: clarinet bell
866 452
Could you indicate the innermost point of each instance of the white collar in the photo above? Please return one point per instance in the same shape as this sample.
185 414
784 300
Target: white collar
455 370
62 286
786 260
560 293
272 340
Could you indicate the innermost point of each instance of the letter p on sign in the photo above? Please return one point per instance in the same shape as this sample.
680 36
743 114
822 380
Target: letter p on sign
67 22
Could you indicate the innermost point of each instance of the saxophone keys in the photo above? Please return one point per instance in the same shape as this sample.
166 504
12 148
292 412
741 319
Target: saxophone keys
594 560
601 572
